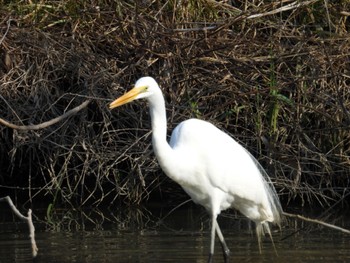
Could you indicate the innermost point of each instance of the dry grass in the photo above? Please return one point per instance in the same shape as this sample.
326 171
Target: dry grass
273 74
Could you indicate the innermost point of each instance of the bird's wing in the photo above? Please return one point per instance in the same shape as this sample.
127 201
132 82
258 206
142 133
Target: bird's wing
223 163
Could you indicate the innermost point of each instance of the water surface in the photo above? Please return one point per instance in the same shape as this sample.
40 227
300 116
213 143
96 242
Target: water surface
182 236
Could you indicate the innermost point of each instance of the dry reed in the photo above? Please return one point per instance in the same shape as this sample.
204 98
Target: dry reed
273 74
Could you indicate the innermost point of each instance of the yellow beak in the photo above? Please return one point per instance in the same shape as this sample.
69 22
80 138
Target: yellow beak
127 97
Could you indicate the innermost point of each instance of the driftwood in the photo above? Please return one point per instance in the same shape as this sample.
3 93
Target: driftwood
27 219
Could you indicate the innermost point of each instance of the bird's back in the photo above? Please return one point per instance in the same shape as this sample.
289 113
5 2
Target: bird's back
225 168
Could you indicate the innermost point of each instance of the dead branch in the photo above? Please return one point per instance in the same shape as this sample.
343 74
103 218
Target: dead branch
317 222
287 7
27 219
46 123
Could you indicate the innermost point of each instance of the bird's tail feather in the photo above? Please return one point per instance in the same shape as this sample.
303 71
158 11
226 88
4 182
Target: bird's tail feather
262 229
272 196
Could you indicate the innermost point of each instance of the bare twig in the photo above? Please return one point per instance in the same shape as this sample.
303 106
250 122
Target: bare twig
27 219
7 30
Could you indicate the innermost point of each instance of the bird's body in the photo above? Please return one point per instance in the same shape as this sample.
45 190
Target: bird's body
227 177
212 168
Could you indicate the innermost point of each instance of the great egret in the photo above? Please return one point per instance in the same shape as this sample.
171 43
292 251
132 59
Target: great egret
212 168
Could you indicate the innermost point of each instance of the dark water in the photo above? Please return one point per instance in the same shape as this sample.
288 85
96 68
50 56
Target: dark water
183 236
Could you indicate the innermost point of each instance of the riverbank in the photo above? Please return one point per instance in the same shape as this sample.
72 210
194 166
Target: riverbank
273 76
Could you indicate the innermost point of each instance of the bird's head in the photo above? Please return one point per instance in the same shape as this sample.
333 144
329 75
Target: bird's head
144 87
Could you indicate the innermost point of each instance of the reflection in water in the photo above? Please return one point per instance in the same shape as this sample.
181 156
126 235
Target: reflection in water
183 236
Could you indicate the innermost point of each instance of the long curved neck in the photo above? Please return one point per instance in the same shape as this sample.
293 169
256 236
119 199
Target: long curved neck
159 122
161 147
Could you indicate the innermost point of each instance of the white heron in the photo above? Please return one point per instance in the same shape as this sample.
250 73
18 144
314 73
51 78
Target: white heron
213 169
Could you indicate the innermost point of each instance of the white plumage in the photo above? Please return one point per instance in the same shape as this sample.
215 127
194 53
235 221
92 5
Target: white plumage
213 169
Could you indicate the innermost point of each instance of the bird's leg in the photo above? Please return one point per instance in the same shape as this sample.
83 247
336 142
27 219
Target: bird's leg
212 238
225 249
